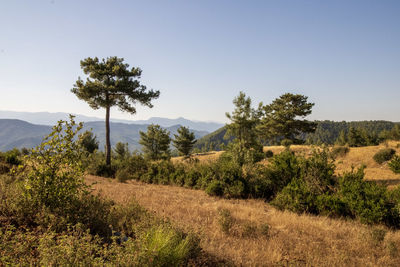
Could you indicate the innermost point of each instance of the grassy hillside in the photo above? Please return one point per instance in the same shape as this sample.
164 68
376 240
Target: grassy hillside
260 235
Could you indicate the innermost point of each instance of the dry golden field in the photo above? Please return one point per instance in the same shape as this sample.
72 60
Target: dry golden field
291 239
356 157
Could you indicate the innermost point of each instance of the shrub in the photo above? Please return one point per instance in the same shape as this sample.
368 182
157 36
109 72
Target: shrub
164 246
340 151
54 172
269 154
122 175
394 164
383 155
215 188
4 168
367 200
12 157
104 170
286 143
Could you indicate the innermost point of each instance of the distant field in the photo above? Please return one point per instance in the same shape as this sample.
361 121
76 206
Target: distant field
292 240
356 157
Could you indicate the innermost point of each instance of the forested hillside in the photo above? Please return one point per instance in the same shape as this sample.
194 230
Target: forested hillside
327 132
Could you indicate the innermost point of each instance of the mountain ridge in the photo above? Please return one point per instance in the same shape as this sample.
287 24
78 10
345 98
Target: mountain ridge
18 133
49 118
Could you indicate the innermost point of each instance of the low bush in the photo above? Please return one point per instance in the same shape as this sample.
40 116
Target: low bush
339 151
215 188
269 154
394 164
384 155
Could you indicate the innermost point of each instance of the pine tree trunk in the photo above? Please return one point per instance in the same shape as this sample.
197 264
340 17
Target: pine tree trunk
108 144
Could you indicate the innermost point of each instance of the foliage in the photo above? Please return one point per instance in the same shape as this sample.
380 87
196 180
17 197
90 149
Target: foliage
215 188
88 141
184 141
339 151
384 155
269 154
121 150
394 164
54 172
245 147
12 157
280 118
155 142
110 83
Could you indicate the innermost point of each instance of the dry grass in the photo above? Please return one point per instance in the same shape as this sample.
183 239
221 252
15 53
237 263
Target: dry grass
293 240
356 157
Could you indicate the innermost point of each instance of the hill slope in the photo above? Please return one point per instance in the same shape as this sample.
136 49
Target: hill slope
17 133
49 118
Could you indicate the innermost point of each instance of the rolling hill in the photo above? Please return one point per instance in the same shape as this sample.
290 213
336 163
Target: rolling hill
18 133
48 118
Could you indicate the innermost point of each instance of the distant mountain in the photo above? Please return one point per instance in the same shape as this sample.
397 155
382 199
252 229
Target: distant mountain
47 118
18 133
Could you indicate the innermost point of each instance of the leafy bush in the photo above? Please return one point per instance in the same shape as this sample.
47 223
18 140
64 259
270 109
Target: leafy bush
215 188
54 172
394 164
269 154
383 155
340 151
12 157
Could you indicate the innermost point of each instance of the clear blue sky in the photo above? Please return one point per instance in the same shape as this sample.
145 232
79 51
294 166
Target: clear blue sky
344 55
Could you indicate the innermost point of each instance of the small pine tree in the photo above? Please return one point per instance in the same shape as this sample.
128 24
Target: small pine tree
155 142
246 146
88 141
184 141
121 150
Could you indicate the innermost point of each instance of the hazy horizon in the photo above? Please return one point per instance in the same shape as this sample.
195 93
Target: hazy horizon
343 55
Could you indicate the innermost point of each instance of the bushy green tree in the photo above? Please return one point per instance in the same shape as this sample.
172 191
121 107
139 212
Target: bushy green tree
244 120
155 142
184 141
88 141
121 150
111 83
54 172
281 119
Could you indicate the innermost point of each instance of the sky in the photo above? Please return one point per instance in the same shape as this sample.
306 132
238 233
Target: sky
343 55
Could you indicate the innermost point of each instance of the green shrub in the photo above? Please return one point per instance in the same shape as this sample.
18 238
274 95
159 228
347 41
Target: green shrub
340 151
4 168
122 175
104 170
269 154
12 157
366 200
54 172
394 164
215 188
384 155
286 143
164 246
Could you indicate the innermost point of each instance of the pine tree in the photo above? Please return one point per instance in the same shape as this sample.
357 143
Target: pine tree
111 83
244 120
184 141
280 119
155 142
